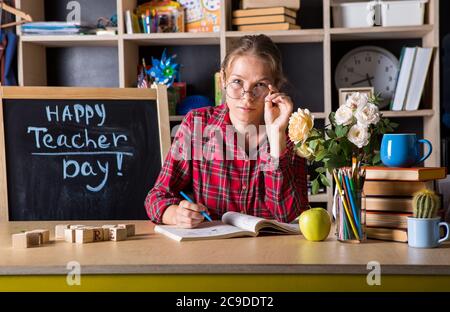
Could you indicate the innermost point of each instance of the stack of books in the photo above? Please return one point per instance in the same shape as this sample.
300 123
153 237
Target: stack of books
275 18
55 28
389 193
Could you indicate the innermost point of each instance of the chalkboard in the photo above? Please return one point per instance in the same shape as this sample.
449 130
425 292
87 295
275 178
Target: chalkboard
81 153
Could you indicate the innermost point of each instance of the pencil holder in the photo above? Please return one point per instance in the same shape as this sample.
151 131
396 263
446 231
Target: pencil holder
350 208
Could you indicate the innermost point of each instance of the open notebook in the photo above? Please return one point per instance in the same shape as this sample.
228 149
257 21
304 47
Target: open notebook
233 224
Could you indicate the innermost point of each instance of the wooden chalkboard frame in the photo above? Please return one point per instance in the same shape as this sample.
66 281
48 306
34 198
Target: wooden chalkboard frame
69 93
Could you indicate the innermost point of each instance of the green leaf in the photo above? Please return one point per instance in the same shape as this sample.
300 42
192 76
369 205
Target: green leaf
321 155
324 180
331 134
315 186
376 159
320 170
341 131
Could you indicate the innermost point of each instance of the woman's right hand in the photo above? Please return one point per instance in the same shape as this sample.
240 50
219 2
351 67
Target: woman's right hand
187 215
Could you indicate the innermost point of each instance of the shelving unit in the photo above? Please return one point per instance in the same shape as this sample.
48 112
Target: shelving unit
309 54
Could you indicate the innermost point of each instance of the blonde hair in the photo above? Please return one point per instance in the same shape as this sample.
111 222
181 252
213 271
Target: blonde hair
261 46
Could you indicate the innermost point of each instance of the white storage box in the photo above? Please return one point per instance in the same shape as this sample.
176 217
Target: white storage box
354 14
403 12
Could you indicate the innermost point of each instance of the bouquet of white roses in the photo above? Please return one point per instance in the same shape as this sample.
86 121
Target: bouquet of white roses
352 135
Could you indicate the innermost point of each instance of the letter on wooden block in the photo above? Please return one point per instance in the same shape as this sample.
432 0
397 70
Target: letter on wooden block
117 234
59 231
130 228
98 234
25 240
84 235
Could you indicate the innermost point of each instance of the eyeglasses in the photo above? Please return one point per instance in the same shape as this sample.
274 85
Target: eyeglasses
236 91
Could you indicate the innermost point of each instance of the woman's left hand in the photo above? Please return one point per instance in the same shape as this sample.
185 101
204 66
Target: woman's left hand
277 110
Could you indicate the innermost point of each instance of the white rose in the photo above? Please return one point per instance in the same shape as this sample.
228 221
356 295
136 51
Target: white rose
356 100
358 135
344 115
367 115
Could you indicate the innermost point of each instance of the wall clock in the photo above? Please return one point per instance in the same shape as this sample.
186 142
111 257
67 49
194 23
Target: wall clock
369 66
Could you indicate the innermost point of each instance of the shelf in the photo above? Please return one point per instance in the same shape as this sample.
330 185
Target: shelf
416 113
318 198
174 38
397 32
72 40
284 36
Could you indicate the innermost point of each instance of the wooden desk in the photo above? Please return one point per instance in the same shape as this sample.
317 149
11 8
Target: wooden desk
153 262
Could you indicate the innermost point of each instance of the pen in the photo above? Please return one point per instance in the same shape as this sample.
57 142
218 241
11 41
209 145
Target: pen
191 201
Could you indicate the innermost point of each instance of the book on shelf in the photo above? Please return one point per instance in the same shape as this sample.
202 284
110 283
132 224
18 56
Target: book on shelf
253 4
407 59
265 11
274 26
399 204
232 224
418 77
396 188
279 18
396 235
397 220
406 174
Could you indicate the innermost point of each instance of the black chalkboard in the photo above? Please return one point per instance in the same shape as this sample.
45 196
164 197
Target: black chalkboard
80 159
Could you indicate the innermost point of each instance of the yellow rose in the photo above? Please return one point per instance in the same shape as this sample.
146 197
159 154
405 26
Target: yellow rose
305 151
300 124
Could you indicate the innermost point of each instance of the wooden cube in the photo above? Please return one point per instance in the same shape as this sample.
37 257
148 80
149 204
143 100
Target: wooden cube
105 234
59 230
130 229
108 226
44 235
117 234
76 226
26 240
69 235
98 234
84 235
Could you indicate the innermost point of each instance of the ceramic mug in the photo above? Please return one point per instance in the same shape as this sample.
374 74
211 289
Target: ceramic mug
402 149
425 233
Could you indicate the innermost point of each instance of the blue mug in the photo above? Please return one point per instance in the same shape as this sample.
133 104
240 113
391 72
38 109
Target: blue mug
402 150
425 233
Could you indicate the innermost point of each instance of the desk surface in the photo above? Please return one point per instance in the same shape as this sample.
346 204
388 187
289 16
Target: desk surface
150 253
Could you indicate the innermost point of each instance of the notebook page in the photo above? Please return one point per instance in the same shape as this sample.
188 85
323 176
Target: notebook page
242 221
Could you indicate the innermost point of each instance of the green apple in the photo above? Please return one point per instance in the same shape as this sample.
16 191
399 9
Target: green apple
315 224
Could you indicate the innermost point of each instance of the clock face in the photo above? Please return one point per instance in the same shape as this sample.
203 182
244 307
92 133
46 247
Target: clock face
369 66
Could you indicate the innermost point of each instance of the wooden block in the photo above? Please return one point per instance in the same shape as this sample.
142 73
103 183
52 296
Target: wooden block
69 235
108 226
106 234
25 240
76 226
59 230
117 234
44 235
84 235
130 229
98 234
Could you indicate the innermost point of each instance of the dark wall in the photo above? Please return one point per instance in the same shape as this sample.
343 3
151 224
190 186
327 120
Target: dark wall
445 79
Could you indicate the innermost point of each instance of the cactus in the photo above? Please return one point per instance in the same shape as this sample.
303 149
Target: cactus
426 204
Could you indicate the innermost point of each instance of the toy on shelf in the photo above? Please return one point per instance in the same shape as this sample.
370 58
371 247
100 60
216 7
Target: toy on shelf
202 15
165 70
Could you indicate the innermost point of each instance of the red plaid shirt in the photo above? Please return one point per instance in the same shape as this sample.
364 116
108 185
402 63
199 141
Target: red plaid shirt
250 185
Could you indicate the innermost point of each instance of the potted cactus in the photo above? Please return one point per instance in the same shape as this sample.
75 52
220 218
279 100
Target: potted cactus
424 226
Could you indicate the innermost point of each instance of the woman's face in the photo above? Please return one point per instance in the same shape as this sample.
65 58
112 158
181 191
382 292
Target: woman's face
247 72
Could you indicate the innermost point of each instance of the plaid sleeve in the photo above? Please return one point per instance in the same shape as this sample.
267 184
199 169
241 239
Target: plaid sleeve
286 191
175 174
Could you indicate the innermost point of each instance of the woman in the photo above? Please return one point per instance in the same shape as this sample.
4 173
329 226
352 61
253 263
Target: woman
260 174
